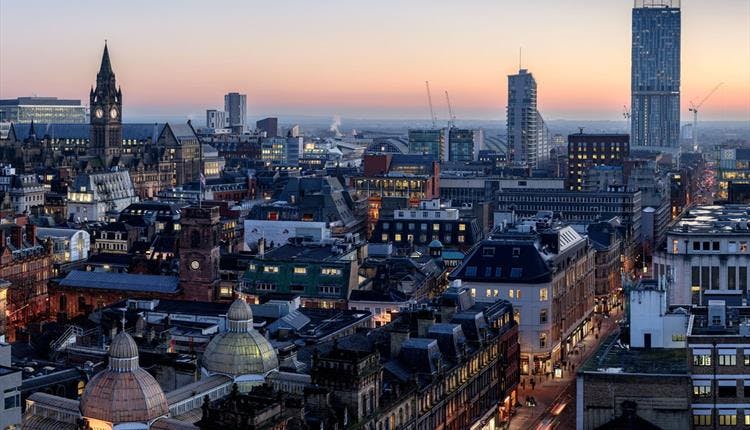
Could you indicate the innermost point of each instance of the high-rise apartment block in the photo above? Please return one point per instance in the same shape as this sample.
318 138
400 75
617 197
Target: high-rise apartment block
527 134
655 73
235 105
216 119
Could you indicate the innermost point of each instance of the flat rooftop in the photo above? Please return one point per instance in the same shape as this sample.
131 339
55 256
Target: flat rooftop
614 358
714 219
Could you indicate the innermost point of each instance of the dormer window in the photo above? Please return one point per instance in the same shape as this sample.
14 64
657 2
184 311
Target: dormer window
516 252
488 251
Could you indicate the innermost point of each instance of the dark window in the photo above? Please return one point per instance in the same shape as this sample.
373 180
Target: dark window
747 390
732 277
471 271
63 303
696 246
727 391
516 272
715 246
714 277
195 239
743 278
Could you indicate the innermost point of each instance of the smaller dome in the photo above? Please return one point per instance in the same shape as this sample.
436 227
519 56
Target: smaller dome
435 244
123 346
239 311
240 353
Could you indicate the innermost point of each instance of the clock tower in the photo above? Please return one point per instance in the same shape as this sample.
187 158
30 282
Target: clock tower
199 252
106 114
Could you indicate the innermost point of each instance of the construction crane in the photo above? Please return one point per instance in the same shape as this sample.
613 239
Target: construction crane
451 117
429 100
694 109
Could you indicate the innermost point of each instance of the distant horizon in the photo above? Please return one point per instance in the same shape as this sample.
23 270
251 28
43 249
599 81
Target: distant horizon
337 58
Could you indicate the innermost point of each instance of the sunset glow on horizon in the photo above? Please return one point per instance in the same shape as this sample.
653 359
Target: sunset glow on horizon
365 59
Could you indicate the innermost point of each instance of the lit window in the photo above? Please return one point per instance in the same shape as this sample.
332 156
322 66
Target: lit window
384 237
330 271
461 238
300 270
462 227
727 358
727 418
675 247
271 269
397 237
436 227
511 294
542 294
542 340
702 358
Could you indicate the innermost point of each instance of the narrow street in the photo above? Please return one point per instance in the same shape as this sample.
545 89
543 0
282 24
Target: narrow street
556 398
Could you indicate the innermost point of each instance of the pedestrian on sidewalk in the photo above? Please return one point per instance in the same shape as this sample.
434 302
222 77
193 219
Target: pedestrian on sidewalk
533 383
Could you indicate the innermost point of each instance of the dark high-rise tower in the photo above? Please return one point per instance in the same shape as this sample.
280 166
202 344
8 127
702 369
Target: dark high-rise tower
106 114
655 74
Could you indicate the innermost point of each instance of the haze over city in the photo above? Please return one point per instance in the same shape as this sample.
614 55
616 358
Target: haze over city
366 61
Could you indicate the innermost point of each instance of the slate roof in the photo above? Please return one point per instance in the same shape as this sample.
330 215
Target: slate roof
525 265
121 281
134 131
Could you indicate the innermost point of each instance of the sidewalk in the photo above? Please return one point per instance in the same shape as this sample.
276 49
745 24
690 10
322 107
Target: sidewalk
547 391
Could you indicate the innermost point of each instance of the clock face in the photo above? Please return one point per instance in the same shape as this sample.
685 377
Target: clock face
99 112
113 113
195 265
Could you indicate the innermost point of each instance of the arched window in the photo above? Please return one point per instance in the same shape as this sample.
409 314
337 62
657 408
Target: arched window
400 416
63 306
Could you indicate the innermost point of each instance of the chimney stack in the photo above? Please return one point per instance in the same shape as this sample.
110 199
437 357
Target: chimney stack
16 236
31 234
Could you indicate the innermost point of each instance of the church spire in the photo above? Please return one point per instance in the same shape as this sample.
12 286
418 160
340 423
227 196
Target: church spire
106 67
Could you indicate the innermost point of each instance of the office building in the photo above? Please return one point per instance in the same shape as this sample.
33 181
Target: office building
235 106
655 74
548 276
216 119
579 208
523 124
462 144
589 150
268 127
428 142
706 254
732 170
718 336
42 109
281 151
425 224
323 274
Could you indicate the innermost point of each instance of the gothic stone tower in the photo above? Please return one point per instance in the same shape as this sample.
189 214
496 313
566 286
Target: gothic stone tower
199 252
106 114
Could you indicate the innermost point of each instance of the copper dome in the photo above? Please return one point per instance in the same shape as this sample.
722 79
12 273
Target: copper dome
241 350
123 392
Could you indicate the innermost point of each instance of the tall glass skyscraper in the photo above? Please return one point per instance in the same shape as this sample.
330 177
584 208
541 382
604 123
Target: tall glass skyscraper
655 73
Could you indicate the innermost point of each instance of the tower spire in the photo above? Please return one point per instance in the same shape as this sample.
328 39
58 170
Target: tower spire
106 67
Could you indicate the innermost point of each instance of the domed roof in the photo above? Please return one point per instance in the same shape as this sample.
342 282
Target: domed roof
123 392
435 244
123 346
239 311
238 353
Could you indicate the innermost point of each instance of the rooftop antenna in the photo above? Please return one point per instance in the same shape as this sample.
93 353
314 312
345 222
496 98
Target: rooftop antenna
520 57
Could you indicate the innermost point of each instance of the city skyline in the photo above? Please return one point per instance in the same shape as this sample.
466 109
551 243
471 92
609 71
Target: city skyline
300 64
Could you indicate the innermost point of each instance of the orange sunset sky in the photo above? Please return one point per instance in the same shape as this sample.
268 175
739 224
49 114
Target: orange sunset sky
366 59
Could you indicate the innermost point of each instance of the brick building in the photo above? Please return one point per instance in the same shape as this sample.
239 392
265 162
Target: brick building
27 265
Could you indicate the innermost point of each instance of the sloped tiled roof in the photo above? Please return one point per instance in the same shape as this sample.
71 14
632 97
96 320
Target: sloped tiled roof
121 281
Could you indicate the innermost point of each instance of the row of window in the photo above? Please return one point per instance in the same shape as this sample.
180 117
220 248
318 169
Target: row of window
725 357
423 226
326 271
726 417
398 237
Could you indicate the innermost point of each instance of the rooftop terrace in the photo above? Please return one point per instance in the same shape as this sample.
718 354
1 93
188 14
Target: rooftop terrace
613 357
